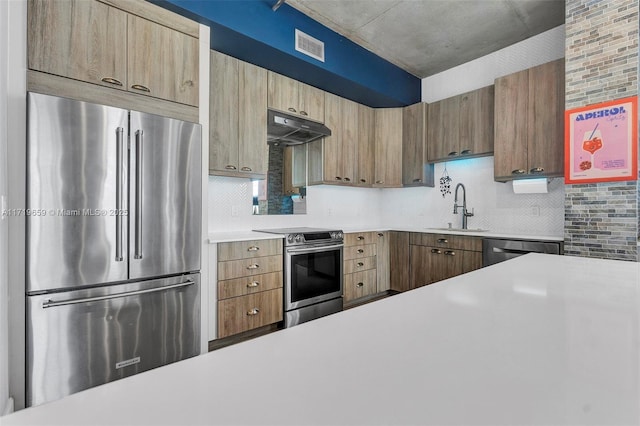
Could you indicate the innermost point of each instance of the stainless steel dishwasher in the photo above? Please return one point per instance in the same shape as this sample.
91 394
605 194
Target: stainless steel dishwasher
496 250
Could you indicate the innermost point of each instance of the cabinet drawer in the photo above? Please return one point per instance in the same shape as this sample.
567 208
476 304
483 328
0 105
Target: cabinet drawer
355 265
249 285
249 249
446 241
360 238
358 252
249 267
359 284
244 313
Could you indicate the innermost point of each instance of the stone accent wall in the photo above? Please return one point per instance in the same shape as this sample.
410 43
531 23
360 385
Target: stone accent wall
601 62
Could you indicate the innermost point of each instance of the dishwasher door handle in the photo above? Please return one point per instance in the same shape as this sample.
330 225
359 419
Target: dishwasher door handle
512 251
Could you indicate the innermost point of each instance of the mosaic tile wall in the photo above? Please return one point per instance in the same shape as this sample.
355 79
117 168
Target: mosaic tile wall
601 62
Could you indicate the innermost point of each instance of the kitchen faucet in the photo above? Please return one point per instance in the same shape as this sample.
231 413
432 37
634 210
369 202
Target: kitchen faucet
465 213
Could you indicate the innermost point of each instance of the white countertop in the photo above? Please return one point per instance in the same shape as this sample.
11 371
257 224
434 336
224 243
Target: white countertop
539 339
220 237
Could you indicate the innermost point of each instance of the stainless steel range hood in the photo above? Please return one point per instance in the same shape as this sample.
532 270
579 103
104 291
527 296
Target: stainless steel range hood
287 129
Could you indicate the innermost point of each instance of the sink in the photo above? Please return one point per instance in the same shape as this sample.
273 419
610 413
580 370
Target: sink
460 229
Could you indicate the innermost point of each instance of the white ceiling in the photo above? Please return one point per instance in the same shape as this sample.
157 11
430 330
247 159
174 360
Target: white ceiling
425 37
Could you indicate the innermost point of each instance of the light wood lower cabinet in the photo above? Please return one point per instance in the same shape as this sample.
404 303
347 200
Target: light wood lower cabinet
366 264
244 313
436 257
249 285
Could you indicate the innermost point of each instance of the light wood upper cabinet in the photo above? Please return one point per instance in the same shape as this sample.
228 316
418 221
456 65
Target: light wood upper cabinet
162 63
333 159
388 144
529 130
94 42
415 169
78 39
295 97
366 147
461 126
238 118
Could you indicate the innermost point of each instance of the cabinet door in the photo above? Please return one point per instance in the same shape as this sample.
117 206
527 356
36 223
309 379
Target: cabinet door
476 122
332 163
399 261
546 119
252 119
366 147
413 158
420 269
349 145
162 62
382 259
244 313
388 140
359 284
282 93
511 125
80 39
311 102
443 129
471 260
223 113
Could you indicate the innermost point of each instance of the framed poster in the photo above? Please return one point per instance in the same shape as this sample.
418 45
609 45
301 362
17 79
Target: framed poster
601 142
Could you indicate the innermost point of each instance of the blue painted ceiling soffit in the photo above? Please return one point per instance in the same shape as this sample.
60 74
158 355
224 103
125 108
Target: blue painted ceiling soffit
251 31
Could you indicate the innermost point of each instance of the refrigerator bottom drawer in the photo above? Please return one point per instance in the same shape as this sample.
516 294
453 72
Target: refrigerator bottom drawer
84 338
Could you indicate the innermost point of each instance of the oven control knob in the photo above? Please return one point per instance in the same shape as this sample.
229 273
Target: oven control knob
290 238
299 238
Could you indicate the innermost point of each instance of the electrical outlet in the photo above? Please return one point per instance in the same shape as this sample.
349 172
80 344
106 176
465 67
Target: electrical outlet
235 211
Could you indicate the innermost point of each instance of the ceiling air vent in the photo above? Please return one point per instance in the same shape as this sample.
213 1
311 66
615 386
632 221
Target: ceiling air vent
309 45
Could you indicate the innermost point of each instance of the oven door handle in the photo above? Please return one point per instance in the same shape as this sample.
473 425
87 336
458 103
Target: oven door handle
314 249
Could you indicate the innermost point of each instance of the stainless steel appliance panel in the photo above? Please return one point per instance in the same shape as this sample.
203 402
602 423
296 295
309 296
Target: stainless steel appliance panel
497 250
83 338
165 196
313 274
77 163
309 313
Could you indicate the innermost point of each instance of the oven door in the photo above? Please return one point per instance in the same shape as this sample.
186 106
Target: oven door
313 275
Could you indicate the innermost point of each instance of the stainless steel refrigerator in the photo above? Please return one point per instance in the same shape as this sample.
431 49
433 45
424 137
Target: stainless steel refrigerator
113 244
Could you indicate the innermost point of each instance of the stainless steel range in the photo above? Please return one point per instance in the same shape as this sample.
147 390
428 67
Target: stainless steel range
312 273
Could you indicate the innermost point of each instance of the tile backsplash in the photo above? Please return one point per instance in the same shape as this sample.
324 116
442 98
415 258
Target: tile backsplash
495 205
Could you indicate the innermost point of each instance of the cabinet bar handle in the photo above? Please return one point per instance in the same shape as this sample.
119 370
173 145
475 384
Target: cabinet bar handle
443 240
292 109
253 266
536 170
417 180
253 248
303 113
452 153
230 167
253 284
465 152
380 234
363 181
338 178
360 251
141 88
246 169
360 285
360 264
254 311
450 253
347 179
435 251
518 172
112 81
360 238
380 182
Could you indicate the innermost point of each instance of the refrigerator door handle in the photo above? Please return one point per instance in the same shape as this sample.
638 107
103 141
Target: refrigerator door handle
51 304
119 191
137 254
